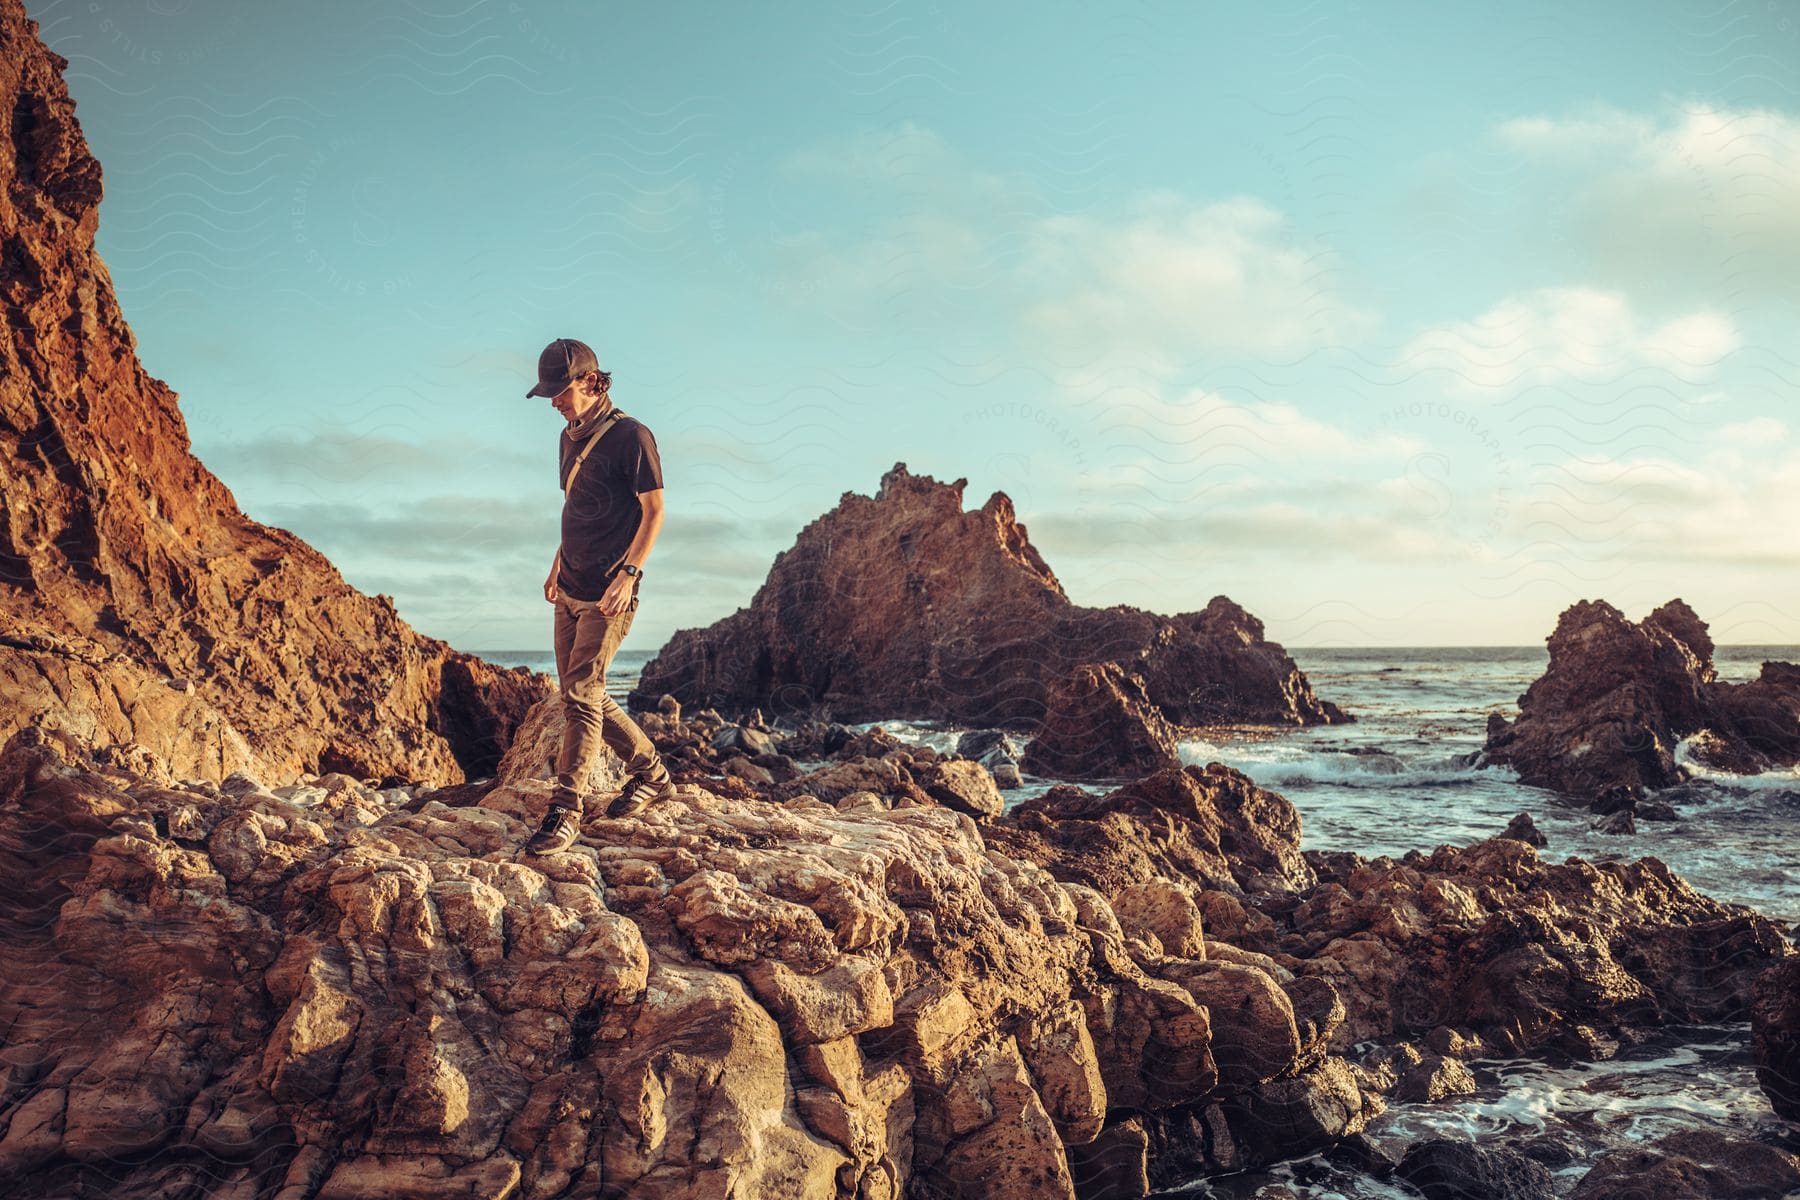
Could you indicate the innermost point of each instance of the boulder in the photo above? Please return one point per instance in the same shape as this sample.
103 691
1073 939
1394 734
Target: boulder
1775 1036
1443 1169
1210 826
1697 1164
1100 724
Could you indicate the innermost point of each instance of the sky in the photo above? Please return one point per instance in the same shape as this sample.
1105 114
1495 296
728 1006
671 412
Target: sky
1400 324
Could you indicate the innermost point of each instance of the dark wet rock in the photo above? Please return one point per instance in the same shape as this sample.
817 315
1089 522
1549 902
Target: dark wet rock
1604 719
1372 759
1361 1154
1434 1079
1294 1117
1454 1043
1693 1165
1617 823
1522 829
744 739
995 750
979 742
1584 1042
1616 798
1551 1149
1099 724
1115 1165
1656 810
1775 1036
1442 1169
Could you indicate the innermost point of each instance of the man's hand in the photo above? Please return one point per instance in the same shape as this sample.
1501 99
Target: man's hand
555 570
617 597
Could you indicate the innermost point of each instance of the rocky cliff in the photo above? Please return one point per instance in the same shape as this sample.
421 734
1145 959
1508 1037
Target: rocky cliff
904 605
125 564
1604 720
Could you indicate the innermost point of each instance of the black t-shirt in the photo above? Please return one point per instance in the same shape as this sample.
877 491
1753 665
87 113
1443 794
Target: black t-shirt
601 514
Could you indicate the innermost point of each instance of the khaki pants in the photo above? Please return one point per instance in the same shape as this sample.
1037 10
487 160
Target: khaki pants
586 640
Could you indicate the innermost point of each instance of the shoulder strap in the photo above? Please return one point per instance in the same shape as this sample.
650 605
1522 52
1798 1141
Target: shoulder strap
607 422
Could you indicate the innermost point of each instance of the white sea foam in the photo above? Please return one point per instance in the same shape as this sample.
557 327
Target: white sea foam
1782 779
1283 763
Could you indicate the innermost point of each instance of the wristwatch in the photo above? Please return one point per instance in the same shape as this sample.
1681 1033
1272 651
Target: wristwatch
632 570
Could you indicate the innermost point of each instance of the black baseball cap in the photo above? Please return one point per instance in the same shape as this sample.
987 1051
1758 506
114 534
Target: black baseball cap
560 363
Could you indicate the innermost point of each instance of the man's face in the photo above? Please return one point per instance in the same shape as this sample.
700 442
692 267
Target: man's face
565 402
573 400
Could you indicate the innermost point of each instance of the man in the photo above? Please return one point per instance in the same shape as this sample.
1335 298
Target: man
612 511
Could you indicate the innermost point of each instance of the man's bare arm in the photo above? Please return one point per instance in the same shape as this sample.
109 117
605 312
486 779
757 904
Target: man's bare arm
648 527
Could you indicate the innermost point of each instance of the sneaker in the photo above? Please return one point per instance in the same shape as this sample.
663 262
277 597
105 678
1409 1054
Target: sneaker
638 794
558 832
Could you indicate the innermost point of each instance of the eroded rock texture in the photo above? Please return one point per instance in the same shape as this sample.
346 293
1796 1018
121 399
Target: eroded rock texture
904 605
342 992
1618 697
115 540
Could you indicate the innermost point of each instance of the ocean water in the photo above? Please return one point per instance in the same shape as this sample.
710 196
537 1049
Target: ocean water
1392 782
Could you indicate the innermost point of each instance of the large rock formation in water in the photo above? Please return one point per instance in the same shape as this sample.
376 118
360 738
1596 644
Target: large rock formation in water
1618 698
138 605
904 605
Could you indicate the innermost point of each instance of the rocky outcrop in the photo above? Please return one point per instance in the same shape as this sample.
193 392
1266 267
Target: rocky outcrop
332 993
330 990
1694 1164
904 605
1606 717
115 541
1775 1037
1490 946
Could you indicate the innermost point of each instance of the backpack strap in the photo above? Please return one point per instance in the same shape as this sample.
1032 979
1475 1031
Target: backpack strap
606 423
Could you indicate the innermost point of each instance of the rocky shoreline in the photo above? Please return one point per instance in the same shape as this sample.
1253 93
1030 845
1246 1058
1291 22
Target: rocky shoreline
266 932
339 991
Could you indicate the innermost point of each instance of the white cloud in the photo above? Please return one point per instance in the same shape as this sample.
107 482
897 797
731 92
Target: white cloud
1176 275
1200 424
1570 334
1696 198
1702 138
1156 280
1734 499
1755 433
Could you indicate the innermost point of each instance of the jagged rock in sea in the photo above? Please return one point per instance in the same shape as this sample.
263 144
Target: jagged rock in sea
1604 720
904 605
137 603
